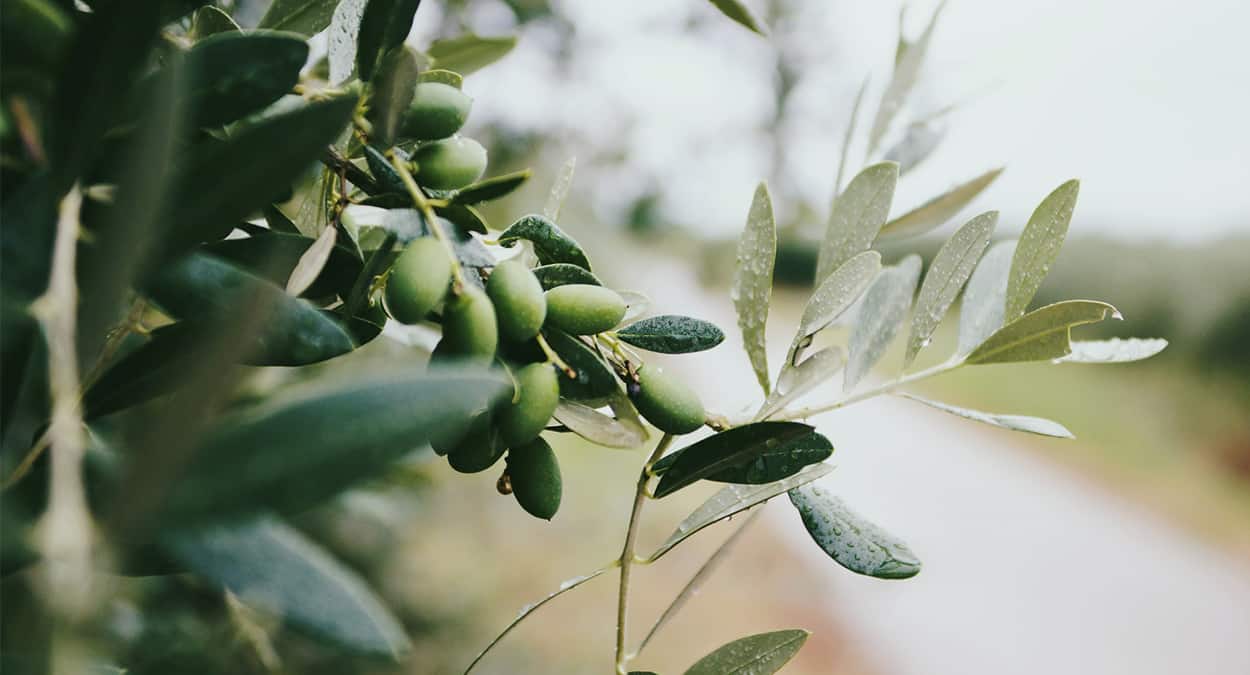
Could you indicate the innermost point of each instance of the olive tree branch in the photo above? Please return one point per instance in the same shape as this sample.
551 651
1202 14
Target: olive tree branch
627 551
886 388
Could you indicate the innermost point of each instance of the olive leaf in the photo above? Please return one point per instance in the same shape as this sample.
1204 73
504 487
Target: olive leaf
1039 246
594 377
559 190
951 267
722 451
834 296
559 274
672 334
467 54
882 313
156 367
1115 350
906 72
1041 335
466 217
753 281
342 38
491 188
227 181
293 331
383 26
846 141
857 215
778 462
551 244
1032 425
393 89
447 77
209 20
733 499
599 428
918 143
853 542
312 262
935 212
233 74
387 177
985 299
306 17
308 446
796 380
740 14
279 570
761 654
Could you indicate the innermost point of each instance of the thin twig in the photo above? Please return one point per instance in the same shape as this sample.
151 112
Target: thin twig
888 387
627 552
427 212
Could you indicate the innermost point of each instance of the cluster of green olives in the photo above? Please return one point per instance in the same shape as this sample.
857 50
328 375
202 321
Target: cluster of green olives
444 161
501 324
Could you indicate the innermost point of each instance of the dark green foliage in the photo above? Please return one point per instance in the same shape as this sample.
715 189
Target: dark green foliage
671 334
551 244
559 274
383 27
727 450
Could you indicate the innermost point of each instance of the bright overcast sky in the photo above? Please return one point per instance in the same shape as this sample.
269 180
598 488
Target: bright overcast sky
1146 101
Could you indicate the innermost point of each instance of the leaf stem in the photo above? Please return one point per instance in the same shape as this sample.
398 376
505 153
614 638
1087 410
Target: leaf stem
553 357
427 212
627 551
888 387
359 294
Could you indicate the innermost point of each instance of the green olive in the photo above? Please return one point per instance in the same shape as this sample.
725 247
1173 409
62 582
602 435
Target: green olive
418 280
438 110
535 477
538 392
518 299
667 402
582 309
450 163
469 327
479 449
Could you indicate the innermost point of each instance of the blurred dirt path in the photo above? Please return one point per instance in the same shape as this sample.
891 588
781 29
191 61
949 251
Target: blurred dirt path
1027 568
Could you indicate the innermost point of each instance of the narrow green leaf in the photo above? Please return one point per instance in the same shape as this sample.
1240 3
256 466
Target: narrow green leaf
725 450
752 288
1032 425
672 334
935 212
1039 246
1041 335
837 293
857 215
386 176
383 26
906 72
559 274
599 428
155 368
393 89
467 54
234 74
951 267
594 377
491 188
446 77
344 28
777 463
293 332
853 542
298 451
275 255
559 190
1115 350
209 20
466 217
733 499
312 262
227 181
985 299
796 380
279 570
881 315
551 244
740 14
761 654
306 17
